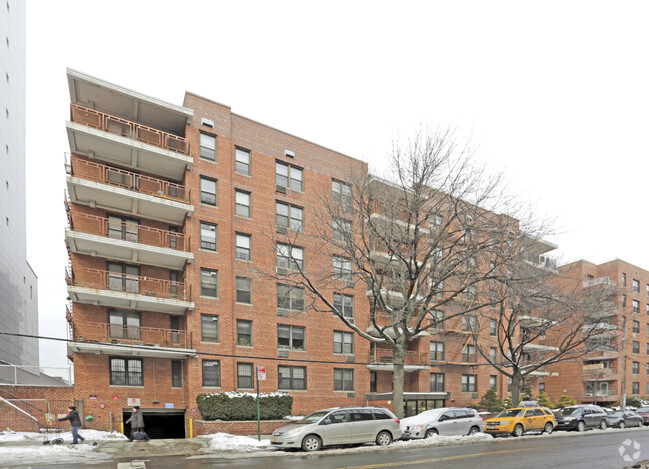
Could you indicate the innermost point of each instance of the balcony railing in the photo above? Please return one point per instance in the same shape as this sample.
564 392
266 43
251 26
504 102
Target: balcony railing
128 231
128 180
601 395
123 334
125 128
411 358
138 284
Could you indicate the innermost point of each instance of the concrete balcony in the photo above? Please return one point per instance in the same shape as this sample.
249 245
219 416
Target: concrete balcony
383 320
539 348
531 322
601 328
600 396
116 290
382 360
101 186
125 241
605 353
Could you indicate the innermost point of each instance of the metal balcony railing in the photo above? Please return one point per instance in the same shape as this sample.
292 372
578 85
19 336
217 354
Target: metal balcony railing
125 128
124 334
412 358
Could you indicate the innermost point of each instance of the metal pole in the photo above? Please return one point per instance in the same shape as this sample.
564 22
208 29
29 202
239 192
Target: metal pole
623 365
258 408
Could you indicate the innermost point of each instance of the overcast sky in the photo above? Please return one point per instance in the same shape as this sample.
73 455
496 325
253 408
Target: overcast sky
553 93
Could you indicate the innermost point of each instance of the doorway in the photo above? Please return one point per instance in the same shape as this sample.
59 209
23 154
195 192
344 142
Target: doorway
159 423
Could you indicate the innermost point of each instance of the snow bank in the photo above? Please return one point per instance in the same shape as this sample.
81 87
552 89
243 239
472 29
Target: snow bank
233 394
89 435
227 442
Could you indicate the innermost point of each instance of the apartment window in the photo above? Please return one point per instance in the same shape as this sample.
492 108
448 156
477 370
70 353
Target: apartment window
636 306
289 216
242 247
342 229
176 374
623 301
469 383
648 289
647 309
437 382
436 321
290 337
493 354
124 324
242 161
636 286
344 304
292 377
211 373
208 236
342 193
470 293
373 386
288 176
126 372
343 342
469 323
242 203
624 280
636 327
122 228
208 191
635 369
493 382
343 379
123 277
648 365
209 328
342 268
493 326
208 146
244 376
647 349
209 282
468 354
435 221
647 331
244 332
636 347
290 297
244 290
436 351
289 257
635 388
541 387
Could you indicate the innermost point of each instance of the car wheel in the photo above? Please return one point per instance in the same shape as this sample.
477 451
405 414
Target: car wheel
473 430
430 432
384 438
518 430
603 425
622 425
311 443
581 426
548 428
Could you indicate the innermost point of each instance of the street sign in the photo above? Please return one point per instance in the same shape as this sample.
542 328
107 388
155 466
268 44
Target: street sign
261 373
133 401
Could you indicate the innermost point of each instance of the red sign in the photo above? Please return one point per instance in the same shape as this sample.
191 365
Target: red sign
115 398
261 373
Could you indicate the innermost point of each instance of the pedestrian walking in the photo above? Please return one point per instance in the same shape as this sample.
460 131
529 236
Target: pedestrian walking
75 422
137 425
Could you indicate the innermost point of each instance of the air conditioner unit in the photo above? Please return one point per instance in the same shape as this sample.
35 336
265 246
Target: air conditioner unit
280 189
281 229
281 271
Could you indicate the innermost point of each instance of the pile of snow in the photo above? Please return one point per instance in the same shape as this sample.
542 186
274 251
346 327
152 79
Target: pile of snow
294 418
89 435
441 440
227 442
234 394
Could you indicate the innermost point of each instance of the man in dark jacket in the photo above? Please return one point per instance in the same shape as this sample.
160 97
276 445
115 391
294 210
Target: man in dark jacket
75 422
137 424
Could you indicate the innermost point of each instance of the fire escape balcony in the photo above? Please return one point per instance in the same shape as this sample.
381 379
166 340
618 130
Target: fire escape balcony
105 187
117 290
382 360
127 241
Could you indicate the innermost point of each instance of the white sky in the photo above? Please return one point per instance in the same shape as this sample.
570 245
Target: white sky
556 94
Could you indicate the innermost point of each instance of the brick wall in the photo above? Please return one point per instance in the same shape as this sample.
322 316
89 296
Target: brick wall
247 427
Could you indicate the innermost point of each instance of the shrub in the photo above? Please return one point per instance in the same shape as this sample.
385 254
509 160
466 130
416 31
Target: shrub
565 401
491 403
243 406
545 401
633 402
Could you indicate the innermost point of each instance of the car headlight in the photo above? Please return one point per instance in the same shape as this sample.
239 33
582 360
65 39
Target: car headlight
295 431
418 427
504 422
568 419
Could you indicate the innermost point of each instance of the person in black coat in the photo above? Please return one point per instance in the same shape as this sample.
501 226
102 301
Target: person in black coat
75 422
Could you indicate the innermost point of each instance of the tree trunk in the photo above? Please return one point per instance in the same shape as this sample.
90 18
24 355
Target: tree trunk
516 389
398 357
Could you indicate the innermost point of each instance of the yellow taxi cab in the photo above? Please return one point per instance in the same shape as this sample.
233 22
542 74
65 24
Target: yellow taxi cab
519 420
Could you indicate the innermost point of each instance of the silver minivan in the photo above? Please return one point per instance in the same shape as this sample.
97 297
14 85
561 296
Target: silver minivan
339 426
443 421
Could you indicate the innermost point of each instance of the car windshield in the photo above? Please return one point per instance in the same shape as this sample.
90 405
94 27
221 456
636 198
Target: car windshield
314 417
569 411
511 413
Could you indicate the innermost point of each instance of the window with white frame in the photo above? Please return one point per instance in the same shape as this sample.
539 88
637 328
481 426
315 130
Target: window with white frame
636 286
289 216
290 297
208 191
208 236
344 304
244 290
343 379
493 354
636 306
469 383
209 282
290 337
342 230
342 268
493 327
436 351
208 146
288 176
289 257
469 323
342 193
343 342
243 246
242 203
210 328
242 161
244 332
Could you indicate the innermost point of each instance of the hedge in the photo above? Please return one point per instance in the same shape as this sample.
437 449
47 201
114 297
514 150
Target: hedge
243 406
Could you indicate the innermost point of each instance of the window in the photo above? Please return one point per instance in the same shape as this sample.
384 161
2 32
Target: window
493 354
289 257
290 337
623 300
342 193
209 328
342 230
176 374
290 297
636 306
373 386
126 372
343 342
647 349
242 247
647 309
123 277
469 323
208 146
541 387
342 268
124 324
208 191
344 304
288 176
624 280
242 203
244 332
343 379
211 373
635 388
468 354
292 377
242 161
289 216
493 382
209 282
437 382
648 368
493 326
122 228
636 327
436 351
648 289
244 376
244 290
435 221
208 236
436 321
635 368
469 383
636 347
470 294
636 286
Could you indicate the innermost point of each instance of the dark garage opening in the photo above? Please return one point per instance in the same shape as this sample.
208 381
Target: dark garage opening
159 423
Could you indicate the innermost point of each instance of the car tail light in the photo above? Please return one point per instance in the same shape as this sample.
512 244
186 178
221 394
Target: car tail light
480 417
396 420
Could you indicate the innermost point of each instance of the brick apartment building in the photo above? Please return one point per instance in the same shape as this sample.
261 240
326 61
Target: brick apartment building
172 213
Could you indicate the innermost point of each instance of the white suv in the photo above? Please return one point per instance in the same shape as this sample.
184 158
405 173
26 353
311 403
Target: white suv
443 421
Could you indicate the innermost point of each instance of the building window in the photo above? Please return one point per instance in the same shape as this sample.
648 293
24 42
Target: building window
636 327
493 354
647 309
469 294
436 321
290 337
636 347
343 379
289 216
176 374
244 332
244 290
208 146
123 277
343 342
342 268
435 221
469 383
209 282
624 280
209 328
292 377
636 306
344 304
623 301
648 289
437 382
289 257
126 372
342 230
468 354
469 323
342 193
493 382
242 203
243 247
242 161
288 176
124 324
211 373
208 236
636 286
493 326
290 297
373 386
208 191
244 376
635 368
635 388
436 352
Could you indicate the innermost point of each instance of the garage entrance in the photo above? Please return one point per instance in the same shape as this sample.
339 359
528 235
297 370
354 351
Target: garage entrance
159 423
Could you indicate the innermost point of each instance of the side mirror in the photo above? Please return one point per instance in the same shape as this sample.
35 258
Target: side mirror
442 418
326 421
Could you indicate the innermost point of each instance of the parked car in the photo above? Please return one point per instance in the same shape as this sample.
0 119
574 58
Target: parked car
628 418
443 421
581 417
644 413
339 426
519 420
